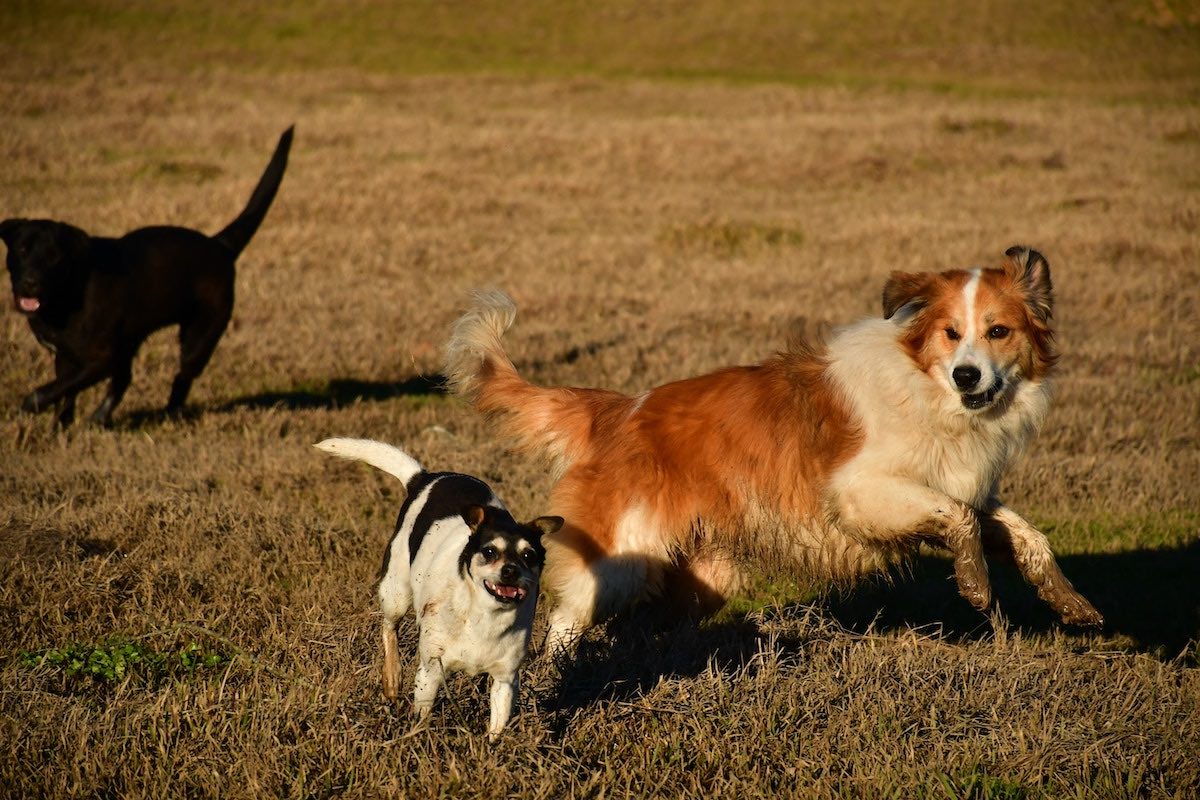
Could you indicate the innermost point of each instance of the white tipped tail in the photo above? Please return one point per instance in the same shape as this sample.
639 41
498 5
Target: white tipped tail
475 341
391 460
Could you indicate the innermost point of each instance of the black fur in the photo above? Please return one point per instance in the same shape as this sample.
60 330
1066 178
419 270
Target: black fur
93 300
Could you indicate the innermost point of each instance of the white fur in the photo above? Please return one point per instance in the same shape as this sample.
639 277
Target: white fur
920 431
391 460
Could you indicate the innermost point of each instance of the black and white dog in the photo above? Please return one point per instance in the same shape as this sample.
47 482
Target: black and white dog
469 571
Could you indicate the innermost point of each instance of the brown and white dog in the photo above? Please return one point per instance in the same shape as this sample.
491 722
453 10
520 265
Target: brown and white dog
835 460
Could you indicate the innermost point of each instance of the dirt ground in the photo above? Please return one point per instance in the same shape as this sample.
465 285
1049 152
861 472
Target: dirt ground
649 230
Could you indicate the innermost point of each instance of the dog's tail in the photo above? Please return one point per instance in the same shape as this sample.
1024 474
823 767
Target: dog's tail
391 460
556 422
236 235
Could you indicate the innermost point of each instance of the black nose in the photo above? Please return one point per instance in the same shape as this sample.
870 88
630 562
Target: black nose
509 573
965 377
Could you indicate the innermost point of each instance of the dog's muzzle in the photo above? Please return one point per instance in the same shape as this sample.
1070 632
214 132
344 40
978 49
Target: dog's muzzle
505 593
983 399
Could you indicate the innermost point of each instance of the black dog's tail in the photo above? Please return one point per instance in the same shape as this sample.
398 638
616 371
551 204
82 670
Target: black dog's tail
236 235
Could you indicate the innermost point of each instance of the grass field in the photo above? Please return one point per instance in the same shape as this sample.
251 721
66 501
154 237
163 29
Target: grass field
186 606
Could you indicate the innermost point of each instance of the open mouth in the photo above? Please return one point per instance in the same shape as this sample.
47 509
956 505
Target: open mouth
505 593
983 399
28 305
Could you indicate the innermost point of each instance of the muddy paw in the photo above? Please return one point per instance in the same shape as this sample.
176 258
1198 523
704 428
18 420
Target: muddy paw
1083 614
979 598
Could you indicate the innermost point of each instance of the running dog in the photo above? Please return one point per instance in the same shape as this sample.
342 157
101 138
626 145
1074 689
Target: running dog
92 301
835 460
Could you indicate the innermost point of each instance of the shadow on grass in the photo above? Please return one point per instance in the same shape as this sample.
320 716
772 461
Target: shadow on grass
1148 597
334 394
341 392
637 650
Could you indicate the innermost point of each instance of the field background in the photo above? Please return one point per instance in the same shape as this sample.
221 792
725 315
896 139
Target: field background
664 188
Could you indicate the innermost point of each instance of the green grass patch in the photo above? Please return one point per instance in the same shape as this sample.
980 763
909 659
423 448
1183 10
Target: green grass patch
974 48
117 659
989 126
1115 533
187 171
730 238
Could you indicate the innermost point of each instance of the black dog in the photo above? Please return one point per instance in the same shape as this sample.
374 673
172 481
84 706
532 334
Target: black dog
93 300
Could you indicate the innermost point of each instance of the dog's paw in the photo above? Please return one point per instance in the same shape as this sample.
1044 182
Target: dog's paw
34 402
1081 613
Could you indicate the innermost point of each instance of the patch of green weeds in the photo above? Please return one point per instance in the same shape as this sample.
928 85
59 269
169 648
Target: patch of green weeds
118 659
988 126
729 238
192 171
764 591
978 785
1160 377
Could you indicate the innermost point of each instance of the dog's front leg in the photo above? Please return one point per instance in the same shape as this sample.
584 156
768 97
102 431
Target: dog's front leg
430 677
1012 536
890 511
63 386
505 690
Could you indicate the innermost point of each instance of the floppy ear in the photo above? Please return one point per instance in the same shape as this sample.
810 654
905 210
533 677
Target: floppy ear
905 288
1032 273
8 227
474 516
546 525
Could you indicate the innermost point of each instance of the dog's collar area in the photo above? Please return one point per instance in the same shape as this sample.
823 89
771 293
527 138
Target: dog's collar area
983 399
505 593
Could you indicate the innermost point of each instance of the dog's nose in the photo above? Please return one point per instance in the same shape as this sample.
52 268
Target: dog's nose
509 573
965 377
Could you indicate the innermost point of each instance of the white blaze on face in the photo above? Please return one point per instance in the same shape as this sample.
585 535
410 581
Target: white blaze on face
964 355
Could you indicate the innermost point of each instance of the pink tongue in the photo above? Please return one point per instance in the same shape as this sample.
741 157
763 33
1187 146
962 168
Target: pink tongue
29 303
507 591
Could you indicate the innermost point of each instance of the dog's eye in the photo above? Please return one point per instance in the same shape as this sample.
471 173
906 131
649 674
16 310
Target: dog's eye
997 332
530 557
953 335
489 553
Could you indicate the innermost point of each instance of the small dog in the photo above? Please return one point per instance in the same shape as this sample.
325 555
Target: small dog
833 460
92 301
469 571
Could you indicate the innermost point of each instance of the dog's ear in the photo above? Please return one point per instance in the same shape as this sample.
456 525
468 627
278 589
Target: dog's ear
474 515
905 289
545 525
1031 271
8 228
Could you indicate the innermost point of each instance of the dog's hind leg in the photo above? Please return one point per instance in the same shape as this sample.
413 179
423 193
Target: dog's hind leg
391 660
198 339
1007 534
395 597
505 690
588 586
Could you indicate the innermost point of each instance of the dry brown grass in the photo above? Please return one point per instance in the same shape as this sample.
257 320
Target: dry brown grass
649 230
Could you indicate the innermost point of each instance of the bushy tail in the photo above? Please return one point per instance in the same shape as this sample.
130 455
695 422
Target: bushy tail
236 235
556 422
391 460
